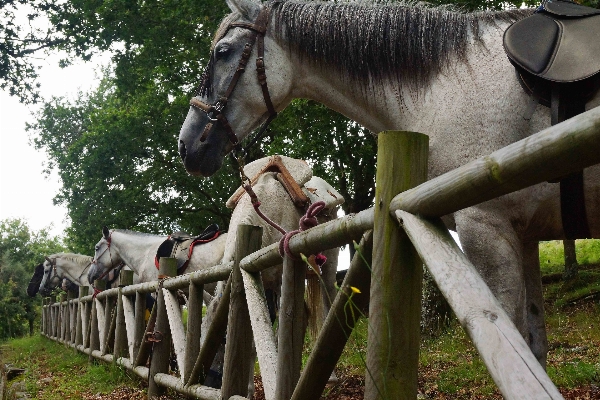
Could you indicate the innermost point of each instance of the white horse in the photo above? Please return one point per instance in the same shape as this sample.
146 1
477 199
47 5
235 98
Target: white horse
138 251
397 67
64 269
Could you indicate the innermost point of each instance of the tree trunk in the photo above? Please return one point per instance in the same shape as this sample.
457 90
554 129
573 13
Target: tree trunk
571 266
435 310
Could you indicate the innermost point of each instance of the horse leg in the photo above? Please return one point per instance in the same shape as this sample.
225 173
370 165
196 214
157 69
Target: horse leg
538 342
491 243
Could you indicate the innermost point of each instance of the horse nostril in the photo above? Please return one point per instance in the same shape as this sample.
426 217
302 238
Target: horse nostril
182 151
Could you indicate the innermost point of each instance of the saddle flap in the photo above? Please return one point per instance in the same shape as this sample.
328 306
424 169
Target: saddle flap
568 9
317 189
559 43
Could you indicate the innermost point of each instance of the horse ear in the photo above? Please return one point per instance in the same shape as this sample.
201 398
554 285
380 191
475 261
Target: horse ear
49 260
249 9
106 233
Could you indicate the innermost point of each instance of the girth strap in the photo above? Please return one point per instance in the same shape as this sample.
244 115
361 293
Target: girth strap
572 197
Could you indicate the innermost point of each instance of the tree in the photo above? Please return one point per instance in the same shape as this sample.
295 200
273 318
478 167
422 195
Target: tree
119 165
21 249
25 34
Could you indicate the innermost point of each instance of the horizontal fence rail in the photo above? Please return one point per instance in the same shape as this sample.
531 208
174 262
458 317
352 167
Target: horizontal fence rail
112 325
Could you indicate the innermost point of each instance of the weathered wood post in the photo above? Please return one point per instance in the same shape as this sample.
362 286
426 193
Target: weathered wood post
125 279
83 291
162 334
338 325
63 317
140 323
292 326
71 295
194 326
43 323
395 305
97 318
110 316
239 353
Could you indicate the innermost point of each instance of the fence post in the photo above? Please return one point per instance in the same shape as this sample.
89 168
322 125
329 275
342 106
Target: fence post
162 332
71 294
125 279
292 327
63 317
94 329
194 326
395 305
239 361
83 290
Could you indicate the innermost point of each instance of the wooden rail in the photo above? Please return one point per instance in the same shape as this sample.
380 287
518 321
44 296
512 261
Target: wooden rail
111 326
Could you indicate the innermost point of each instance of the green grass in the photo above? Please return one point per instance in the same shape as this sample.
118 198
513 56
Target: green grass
70 374
552 254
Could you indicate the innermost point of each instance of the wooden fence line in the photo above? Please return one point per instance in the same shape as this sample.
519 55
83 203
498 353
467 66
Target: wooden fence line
88 325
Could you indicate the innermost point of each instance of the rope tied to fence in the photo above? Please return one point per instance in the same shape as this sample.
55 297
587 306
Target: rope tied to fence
308 220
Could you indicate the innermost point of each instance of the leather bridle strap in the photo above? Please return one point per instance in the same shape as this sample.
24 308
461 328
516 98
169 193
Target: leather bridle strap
215 111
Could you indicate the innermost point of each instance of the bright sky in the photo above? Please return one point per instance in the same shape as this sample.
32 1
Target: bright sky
25 192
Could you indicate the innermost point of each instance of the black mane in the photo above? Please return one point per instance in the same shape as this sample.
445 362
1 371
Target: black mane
374 40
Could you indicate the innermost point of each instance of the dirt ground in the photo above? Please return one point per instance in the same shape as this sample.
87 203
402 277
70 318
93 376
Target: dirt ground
350 387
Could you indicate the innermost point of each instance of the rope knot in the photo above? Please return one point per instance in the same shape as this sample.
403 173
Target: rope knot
308 220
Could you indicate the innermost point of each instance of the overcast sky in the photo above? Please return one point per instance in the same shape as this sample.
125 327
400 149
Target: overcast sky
25 192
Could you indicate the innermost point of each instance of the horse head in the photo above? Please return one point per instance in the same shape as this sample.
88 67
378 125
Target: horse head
230 104
36 279
105 259
51 277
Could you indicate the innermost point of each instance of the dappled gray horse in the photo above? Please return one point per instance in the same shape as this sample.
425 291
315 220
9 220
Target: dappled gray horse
395 66
61 269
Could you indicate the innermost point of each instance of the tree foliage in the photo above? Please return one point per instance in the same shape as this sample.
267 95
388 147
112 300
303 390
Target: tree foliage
115 148
21 249
24 35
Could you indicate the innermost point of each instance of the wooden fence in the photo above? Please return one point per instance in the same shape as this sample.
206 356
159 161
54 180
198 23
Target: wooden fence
111 326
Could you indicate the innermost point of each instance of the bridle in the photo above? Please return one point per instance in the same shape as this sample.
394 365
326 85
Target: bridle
95 260
215 111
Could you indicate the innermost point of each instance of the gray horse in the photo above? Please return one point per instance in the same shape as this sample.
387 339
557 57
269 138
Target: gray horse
397 67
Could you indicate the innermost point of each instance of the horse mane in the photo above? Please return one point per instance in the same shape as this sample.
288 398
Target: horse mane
135 233
373 40
79 259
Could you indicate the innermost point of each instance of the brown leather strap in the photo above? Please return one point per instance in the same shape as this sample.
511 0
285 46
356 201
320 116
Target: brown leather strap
258 28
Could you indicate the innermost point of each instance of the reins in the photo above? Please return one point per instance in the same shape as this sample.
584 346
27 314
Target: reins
215 112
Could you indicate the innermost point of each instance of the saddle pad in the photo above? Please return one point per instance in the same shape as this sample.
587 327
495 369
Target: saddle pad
317 189
298 170
555 45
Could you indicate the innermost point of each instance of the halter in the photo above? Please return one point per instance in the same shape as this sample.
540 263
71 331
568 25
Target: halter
215 111
95 260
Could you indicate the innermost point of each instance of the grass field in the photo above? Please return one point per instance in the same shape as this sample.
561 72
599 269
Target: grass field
449 365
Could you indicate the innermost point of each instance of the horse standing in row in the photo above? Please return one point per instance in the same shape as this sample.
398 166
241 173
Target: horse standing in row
67 270
404 66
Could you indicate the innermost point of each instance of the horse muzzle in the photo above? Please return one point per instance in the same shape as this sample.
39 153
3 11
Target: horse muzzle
201 157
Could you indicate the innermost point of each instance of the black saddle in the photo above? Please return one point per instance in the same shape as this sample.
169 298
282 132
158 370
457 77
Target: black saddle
556 53
559 43
180 244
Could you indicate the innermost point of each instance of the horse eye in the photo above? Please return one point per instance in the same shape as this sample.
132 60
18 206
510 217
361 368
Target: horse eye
222 50
97 248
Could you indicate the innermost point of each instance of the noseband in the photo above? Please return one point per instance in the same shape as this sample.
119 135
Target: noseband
215 111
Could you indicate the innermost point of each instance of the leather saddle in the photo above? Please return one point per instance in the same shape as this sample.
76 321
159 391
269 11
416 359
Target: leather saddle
558 44
180 245
556 53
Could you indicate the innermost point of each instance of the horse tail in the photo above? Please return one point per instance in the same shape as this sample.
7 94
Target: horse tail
314 303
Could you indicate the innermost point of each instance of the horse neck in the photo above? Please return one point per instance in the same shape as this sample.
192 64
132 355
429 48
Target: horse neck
136 251
74 271
387 103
